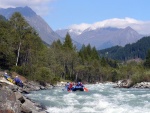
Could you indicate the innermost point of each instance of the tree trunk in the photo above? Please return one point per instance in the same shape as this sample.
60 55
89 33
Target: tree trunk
76 77
71 73
18 53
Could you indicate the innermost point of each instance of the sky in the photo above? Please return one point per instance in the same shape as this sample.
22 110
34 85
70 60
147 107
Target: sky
60 14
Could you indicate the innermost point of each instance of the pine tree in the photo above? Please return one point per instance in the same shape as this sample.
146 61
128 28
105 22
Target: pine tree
95 54
56 44
2 18
68 42
7 56
147 62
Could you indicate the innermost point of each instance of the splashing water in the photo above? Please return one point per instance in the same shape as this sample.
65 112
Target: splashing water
101 98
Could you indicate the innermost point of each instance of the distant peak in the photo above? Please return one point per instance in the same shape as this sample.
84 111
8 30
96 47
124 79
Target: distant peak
110 28
27 7
128 27
26 11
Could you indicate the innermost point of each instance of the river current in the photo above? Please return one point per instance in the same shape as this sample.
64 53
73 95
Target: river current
101 98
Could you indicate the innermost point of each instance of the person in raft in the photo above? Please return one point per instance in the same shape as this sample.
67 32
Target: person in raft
70 86
67 85
78 86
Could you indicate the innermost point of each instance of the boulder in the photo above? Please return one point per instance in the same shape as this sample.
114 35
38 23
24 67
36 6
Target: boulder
142 85
8 101
127 83
12 99
30 107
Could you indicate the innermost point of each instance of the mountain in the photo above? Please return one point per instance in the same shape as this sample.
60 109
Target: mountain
99 37
103 38
129 51
43 29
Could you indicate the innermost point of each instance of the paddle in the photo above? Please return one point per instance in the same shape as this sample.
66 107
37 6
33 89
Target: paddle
85 89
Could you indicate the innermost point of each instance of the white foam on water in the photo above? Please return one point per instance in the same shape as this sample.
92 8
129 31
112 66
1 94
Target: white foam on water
145 95
110 107
101 98
123 97
70 99
70 109
50 98
87 110
147 104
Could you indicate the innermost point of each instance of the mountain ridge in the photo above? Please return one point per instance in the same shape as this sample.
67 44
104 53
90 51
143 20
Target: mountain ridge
100 37
43 29
129 51
103 38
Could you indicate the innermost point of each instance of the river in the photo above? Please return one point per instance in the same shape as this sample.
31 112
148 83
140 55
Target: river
101 98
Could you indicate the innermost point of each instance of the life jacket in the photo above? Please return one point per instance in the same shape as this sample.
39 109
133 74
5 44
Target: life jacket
70 85
79 85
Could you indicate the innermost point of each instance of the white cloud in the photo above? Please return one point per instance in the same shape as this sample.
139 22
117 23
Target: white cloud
41 7
79 28
141 27
116 22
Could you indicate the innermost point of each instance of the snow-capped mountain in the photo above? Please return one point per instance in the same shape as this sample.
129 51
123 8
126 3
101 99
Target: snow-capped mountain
102 34
103 38
108 33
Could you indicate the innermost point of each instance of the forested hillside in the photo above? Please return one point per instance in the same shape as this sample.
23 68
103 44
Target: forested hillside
44 30
23 51
2 18
130 51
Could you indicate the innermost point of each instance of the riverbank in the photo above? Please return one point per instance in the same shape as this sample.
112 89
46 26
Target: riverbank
127 83
13 99
101 98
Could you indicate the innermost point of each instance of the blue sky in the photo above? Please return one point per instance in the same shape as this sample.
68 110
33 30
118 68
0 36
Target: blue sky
67 12
63 13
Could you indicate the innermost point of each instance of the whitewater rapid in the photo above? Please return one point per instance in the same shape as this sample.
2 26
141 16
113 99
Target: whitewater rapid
101 98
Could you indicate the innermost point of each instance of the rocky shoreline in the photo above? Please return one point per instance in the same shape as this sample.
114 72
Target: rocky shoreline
13 99
127 83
